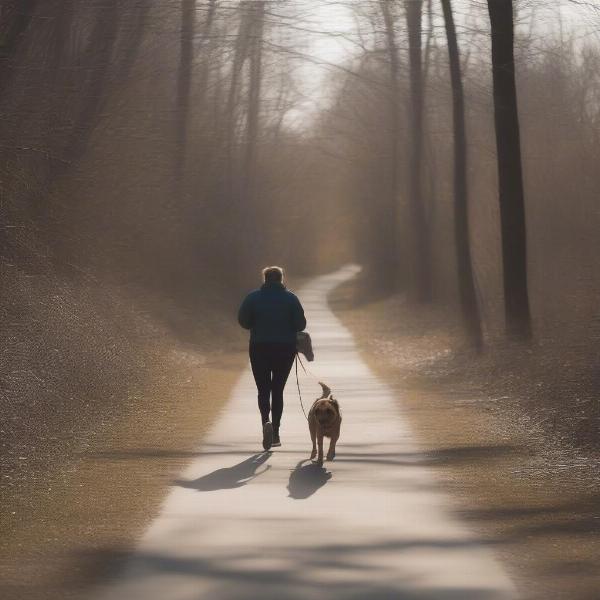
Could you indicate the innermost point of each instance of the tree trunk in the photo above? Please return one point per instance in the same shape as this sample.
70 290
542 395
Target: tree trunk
97 60
132 44
15 18
207 52
466 282
258 9
388 263
510 175
184 81
240 54
250 207
421 259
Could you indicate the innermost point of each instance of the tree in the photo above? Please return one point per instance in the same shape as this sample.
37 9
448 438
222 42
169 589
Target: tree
239 57
421 259
97 60
466 283
15 17
510 173
255 75
184 81
207 44
251 222
389 266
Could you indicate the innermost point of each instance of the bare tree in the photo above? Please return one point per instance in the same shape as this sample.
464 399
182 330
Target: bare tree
255 55
184 81
510 175
130 45
15 18
207 44
466 283
240 54
390 247
421 259
97 61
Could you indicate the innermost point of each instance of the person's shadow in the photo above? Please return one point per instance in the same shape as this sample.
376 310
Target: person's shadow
305 480
229 477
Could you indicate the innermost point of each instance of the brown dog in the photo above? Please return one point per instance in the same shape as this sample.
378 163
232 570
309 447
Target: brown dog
324 420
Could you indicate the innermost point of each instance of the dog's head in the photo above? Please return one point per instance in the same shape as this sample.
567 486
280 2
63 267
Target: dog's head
326 411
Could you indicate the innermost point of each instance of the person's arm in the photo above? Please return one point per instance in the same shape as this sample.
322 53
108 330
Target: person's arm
298 317
245 313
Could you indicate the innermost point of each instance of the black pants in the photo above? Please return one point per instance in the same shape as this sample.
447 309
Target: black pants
271 365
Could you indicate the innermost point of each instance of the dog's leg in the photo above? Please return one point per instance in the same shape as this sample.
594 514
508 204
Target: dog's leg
320 442
313 436
334 438
331 451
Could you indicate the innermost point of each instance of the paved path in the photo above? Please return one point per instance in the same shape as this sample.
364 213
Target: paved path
373 525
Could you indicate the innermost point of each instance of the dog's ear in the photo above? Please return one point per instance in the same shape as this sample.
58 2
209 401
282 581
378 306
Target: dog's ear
335 403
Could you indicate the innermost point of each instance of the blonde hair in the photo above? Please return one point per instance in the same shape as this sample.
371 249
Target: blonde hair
272 274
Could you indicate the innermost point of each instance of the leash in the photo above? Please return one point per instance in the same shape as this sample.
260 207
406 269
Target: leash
298 385
305 369
299 360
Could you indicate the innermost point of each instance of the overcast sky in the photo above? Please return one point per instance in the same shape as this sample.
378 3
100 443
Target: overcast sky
330 22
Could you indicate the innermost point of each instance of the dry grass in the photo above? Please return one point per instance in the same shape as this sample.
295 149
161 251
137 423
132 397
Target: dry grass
104 400
529 492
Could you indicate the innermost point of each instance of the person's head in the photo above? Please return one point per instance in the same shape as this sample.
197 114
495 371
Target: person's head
272 275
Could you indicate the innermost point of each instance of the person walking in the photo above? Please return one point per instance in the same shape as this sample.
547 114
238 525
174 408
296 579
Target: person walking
274 316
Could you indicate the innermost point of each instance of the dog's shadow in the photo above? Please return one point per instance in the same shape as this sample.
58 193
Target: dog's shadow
229 478
306 479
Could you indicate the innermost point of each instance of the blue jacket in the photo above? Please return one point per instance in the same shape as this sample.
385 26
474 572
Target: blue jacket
272 314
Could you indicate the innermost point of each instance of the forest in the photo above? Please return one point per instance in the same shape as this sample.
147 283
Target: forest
157 154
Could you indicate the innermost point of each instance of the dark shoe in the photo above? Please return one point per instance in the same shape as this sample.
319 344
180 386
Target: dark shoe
267 435
276 440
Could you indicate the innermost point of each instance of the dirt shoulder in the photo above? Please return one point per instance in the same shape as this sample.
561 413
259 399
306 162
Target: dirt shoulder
533 497
68 527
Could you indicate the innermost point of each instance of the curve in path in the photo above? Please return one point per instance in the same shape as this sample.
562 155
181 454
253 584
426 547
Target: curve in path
243 524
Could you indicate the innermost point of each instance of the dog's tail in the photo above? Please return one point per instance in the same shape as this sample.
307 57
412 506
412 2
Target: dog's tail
326 390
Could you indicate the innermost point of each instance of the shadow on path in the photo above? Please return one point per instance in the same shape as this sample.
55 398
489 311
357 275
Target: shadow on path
287 571
305 480
352 453
229 477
